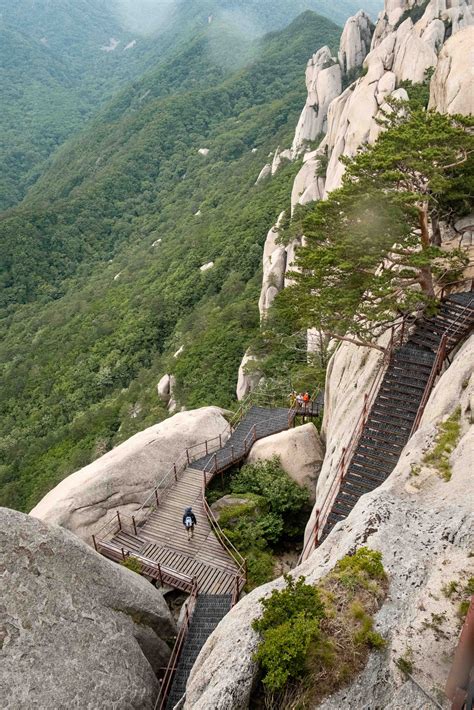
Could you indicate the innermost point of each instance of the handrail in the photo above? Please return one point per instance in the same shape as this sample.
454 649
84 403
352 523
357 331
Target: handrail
397 336
228 546
435 370
181 580
447 287
222 537
165 686
450 332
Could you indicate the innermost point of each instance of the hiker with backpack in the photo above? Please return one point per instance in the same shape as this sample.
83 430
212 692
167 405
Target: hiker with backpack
189 521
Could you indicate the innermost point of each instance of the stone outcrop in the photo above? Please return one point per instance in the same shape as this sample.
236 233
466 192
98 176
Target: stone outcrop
124 477
300 451
324 82
165 388
400 50
355 42
465 228
274 265
308 185
75 629
264 173
424 527
280 157
451 89
247 379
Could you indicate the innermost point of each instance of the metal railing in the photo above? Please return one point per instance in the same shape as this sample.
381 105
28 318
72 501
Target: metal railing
455 329
165 686
150 568
398 335
449 287
240 578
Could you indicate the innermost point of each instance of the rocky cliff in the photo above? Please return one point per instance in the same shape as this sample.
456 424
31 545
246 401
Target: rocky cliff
422 524
76 631
409 38
424 527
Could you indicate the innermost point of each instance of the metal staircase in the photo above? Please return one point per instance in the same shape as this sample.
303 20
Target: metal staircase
400 401
208 612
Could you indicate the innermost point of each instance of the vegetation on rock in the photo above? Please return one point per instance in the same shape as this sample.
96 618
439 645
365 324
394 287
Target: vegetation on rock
132 564
314 639
273 515
369 255
446 440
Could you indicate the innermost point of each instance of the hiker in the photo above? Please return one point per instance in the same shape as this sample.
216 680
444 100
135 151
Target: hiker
306 399
189 521
292 398
299 400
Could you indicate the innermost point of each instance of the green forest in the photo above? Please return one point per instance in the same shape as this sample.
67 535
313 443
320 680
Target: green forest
94 305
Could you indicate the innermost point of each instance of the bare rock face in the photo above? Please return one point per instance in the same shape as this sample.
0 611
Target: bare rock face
274 265
451 89
280 157
308 185
323 81
247 381
424 527
355 42
301 453
124 477
264 173
77 631
400 50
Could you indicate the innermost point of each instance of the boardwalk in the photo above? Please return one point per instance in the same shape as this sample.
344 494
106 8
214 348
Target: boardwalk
162 538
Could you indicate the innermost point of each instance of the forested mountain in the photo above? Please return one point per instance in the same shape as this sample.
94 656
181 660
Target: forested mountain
79 363
62 59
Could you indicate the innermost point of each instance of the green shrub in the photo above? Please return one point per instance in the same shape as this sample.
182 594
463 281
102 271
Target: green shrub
314 639
284 498
288 625
260 565
282 655
360 569
295 599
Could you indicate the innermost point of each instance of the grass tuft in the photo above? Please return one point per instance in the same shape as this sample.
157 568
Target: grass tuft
446 440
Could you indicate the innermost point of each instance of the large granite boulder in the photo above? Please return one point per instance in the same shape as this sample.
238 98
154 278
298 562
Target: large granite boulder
301 453
451 89
124 477
248 377
323 82
76 631
274 265
424 528
355 42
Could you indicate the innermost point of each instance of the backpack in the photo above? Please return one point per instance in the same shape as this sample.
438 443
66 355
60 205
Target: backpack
188 521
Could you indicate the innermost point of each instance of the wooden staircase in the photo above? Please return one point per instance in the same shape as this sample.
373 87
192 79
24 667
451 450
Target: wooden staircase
159 541
396 408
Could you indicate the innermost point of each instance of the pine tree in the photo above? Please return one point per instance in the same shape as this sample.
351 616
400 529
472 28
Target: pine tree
369 252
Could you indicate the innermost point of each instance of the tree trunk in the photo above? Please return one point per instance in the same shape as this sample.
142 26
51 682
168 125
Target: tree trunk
436 236
426 277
